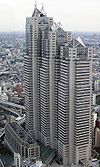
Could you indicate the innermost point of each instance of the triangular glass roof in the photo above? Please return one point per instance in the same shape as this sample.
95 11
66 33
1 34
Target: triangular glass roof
76 43
37 13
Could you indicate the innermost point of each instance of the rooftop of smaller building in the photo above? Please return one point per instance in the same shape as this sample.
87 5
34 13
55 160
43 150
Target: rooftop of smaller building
28 163
22 133
47 154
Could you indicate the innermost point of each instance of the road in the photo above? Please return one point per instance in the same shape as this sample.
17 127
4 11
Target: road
12 104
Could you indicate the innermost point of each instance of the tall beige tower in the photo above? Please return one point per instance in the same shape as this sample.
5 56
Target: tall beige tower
58 89
75 104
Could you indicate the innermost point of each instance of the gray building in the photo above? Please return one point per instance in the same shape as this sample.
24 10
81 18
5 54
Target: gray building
58 89
19 141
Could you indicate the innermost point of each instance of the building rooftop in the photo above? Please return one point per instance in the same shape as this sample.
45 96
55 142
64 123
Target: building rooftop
47 154
22 134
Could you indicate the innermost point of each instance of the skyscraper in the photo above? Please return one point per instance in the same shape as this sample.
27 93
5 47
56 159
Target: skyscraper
58 89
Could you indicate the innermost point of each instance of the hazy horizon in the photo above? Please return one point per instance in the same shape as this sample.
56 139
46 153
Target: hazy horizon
76 16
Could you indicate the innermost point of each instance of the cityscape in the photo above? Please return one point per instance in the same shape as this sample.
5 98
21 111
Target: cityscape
49 95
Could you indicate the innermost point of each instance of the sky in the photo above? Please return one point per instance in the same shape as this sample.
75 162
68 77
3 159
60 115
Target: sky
74 15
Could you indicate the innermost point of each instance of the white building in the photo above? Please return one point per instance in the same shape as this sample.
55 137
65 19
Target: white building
94 99
17 159
27 163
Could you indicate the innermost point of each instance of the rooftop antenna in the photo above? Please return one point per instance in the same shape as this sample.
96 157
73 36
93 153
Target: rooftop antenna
42 9
45 13
35 5
59 24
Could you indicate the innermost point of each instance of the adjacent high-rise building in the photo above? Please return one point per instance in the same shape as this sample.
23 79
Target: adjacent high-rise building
58 89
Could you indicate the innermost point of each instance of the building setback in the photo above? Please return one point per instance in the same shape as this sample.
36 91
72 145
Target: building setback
58 89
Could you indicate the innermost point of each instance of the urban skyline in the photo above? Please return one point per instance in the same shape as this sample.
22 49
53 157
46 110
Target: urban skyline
74 15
